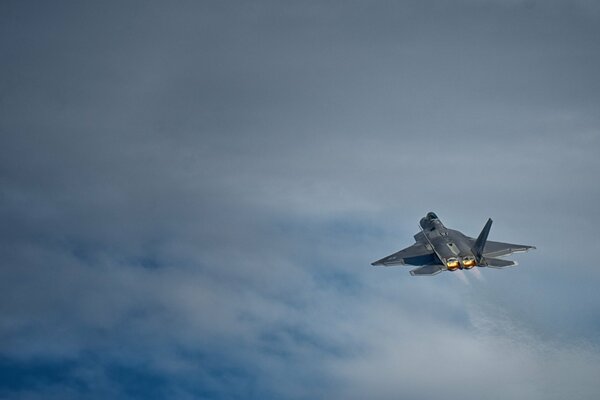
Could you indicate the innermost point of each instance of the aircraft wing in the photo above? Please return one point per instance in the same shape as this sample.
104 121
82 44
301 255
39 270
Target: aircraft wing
497 249
417 254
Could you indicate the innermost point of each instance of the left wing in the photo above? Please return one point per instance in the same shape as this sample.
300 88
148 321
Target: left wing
417 254
497 249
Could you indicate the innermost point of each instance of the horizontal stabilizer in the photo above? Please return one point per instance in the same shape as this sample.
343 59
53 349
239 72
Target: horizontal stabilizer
498 263
427 270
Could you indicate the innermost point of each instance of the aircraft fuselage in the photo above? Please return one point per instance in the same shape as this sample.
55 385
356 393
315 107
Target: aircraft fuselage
452 248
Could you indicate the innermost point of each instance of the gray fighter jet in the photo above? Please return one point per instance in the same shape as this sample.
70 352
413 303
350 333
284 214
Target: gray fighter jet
438 249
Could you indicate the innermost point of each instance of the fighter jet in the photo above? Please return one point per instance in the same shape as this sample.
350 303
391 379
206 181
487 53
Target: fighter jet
438 249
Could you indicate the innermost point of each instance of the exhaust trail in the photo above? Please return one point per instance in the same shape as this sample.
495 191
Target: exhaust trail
461 275
478 275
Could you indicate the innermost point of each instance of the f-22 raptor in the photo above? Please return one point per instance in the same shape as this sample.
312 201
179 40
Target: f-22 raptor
438 249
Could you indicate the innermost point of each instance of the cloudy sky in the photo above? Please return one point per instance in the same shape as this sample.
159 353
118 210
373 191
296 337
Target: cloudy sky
192 192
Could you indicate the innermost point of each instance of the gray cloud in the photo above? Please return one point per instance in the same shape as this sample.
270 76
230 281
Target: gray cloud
191 197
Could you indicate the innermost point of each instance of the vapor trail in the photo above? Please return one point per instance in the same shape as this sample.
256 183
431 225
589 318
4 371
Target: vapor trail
478 275
461 275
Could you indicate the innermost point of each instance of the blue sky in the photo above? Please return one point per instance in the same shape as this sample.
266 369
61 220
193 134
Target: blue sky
191 196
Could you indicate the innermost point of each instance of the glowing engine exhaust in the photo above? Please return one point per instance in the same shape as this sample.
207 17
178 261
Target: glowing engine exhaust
452 264
469 262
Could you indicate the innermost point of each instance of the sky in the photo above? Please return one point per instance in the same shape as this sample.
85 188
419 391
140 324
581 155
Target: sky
192 192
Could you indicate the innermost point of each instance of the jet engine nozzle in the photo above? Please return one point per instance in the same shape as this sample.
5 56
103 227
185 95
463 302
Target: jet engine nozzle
469 263
452 264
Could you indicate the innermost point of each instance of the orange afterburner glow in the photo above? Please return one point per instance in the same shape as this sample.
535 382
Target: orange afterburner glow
452 264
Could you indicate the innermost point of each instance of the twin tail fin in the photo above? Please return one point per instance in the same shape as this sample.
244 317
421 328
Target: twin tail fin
481 239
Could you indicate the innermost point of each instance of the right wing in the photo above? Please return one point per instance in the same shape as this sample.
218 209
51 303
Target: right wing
417 254
497 249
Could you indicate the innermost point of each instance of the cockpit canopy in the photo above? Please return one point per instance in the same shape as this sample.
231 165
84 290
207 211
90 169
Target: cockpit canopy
430 221
431 215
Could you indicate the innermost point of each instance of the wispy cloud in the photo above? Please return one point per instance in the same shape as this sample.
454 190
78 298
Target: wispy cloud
191 197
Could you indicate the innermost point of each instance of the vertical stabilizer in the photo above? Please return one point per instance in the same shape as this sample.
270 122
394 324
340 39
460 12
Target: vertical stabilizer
481 239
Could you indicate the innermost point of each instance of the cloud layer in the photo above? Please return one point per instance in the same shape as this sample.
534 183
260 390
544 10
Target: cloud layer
191 196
